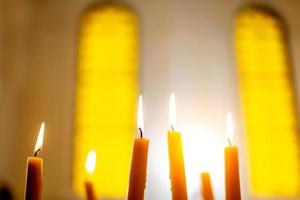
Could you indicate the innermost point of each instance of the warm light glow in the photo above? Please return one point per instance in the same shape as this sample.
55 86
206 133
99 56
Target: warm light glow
198 137
106 96
172 111
90 162
39 141
268 100
229 128
140 117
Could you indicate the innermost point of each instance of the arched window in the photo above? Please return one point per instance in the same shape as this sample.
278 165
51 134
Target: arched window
105 99
268 102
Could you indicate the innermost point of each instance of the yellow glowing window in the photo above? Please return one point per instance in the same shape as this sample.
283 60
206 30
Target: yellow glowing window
268 102
106 93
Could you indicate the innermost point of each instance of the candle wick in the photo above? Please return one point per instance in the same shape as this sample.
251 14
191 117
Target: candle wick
171 128
36 153
141 132
229 142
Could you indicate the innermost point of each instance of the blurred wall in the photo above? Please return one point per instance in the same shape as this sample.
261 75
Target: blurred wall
186 48
14 26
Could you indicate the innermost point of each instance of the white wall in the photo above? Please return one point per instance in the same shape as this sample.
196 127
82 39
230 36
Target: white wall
186 48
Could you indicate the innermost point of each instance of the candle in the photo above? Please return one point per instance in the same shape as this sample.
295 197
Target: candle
138 170
232 177
90 167
207 191
33 188
176 160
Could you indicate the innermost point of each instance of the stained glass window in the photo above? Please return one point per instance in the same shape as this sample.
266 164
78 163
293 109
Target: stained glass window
268 102
105 96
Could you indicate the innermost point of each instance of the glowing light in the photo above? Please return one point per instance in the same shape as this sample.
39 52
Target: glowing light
172 111
39 141
229 128
197 138
140 120
90 163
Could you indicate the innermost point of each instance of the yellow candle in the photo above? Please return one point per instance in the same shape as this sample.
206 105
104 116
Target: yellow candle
33 188
207 192
232 176
176 159
138 170
90 167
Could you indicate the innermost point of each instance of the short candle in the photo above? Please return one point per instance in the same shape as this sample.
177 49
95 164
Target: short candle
207 191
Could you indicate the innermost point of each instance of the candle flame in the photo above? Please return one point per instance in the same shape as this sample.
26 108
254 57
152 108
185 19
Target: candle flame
90 162
229 128
172 111
140 117
39 141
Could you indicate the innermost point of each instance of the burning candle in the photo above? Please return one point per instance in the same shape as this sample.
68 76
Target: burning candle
176 159
90 167
232 177
33 188
207 191
138 170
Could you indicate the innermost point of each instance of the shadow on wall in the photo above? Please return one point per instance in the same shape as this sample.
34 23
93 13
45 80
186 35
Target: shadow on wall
5 192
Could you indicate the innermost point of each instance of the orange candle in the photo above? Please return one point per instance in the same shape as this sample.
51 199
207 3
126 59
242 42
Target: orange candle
176 159
232 177
138 170
33 188
207 191
90 167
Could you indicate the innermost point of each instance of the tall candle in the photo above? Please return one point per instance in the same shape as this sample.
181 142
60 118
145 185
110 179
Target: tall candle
176 158
138 169
90 167
33 188
232 177
207 192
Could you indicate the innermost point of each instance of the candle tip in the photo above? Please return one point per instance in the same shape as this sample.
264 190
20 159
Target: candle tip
90 162
229 128
140 117
172 111
39 142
